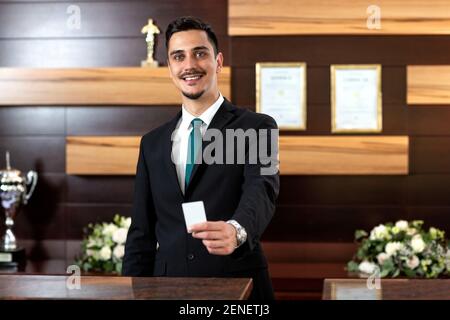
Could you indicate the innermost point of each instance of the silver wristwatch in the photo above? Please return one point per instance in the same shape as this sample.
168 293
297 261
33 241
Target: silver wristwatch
241 234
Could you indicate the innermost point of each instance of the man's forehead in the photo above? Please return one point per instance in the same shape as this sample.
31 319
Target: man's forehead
189 40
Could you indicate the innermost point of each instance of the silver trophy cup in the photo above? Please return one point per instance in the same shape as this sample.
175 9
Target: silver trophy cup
15 191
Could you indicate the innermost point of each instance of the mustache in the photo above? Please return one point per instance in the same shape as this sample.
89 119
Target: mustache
192 72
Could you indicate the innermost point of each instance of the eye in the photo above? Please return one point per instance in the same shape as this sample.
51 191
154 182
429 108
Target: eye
200 54
178 57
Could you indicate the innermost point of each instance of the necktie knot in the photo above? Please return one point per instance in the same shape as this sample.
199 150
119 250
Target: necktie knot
196 122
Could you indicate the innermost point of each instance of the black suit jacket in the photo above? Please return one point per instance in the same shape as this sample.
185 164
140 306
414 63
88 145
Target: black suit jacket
229 191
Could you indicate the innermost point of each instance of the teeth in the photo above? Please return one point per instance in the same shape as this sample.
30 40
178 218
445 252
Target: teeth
192 78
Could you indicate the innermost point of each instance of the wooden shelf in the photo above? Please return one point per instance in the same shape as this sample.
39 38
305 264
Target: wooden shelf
312 155
93 86
303 17
428 85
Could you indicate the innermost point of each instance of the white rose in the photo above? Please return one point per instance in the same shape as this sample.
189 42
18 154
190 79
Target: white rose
412 262
367 267
120 235
447 260
417 243
91 243
411 231
119 251
382 257
127 223
379 233
392 248
90 253
105 253
402 225
109 229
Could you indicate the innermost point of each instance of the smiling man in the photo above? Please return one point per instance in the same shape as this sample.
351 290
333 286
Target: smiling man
239 199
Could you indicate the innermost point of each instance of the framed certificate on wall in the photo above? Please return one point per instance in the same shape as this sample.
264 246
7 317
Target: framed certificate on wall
356 98
281 93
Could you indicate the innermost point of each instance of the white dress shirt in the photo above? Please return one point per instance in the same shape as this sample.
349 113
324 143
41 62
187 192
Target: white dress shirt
180 137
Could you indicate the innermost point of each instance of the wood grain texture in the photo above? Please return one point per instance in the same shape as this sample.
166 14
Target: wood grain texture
344 155
101 155
323 50
83 52
95 86
428 84
391 289
298 155
23 287
18 19
300 17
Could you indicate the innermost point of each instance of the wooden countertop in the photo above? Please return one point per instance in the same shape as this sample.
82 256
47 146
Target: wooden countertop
389 289
23 287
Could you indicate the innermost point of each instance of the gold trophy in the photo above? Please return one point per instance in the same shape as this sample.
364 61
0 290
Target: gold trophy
151 30
15 191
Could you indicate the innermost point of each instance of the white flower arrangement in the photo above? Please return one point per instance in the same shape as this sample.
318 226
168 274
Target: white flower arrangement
403 249
103 246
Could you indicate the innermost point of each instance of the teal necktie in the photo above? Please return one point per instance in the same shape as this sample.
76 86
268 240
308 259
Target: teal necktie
194 148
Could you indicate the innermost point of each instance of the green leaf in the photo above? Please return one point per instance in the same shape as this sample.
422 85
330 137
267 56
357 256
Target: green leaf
360 234
409 273
352 266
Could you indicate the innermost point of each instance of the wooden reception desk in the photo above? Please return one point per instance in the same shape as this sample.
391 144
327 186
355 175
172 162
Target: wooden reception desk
24 287
388 289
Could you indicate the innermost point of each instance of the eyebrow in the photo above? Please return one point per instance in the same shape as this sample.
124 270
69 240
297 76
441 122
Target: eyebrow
194 49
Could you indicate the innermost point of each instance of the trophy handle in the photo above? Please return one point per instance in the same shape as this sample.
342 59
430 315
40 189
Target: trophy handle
32 178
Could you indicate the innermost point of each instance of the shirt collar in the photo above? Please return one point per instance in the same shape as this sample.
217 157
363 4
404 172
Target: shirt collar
206 116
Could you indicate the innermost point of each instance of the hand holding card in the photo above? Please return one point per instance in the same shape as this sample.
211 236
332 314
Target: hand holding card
194 212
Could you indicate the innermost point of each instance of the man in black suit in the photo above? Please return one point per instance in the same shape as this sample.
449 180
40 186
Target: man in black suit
239 197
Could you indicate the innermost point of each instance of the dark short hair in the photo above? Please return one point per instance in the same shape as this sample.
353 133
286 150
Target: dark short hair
191 23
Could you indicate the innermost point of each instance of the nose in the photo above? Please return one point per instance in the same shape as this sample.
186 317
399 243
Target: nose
190 62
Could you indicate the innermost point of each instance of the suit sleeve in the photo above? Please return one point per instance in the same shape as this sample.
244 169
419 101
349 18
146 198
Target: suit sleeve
260 189
140 247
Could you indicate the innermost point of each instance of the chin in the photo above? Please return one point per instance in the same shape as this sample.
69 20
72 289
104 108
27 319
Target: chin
193 95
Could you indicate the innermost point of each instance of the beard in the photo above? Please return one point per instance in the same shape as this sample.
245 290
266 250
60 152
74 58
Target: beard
193 96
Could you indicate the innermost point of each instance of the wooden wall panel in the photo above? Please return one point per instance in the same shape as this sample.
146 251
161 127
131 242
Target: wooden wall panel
82 52
80 215
19 19
428 84
32 120
430 155
100 86
298 155
114 121
102 155
39 153
344 155
327 223
343 190
326 50
110 33
428 120
100 189
300 17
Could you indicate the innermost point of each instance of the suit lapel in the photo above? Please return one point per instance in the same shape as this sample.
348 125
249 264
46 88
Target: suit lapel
170 165
220 119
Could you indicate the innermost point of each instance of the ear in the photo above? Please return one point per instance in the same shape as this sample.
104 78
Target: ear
219 59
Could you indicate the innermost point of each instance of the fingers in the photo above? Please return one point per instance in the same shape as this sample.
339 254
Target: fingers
207 226
208 235
216 247
218 242
215 244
